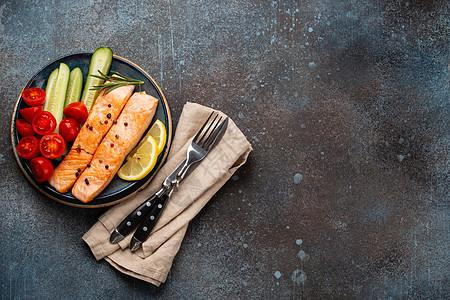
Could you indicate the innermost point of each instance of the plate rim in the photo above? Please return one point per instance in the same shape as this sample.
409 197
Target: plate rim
169 135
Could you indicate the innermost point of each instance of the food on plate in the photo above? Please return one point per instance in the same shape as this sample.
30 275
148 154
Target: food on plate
41 168
120 140
29 112
43 122
102 116
24 128
142 159
158 132
28 147
69 128
75 86
33 96
77 111
100 61
52 145
141 162
56 92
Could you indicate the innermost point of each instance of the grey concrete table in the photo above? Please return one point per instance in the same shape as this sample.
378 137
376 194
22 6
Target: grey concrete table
346 104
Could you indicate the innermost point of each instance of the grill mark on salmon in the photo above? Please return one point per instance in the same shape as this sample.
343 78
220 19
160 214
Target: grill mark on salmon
119 141
106 109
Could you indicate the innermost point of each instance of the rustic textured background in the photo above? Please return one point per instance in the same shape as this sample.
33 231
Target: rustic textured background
346 104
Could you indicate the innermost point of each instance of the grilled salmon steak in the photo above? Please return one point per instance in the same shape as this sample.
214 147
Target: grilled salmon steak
102 116
118 142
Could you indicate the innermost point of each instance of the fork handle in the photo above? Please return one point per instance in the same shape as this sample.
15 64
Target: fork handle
133 219
148 223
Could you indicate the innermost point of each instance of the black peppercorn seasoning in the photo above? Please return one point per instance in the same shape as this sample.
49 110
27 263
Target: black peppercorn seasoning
90 127
88 165
109 105
108 115
106 167
86 180
114 121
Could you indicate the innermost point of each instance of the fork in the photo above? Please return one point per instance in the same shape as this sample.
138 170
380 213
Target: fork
202 143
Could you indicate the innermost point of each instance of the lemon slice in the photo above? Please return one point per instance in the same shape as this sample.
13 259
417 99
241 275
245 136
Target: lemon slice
158 132
141 162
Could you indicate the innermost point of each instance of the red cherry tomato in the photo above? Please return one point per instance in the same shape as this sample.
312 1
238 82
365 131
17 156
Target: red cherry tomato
28 147
69 128
41 168
33 96
52 145
24 128
29 113
77 111
43 122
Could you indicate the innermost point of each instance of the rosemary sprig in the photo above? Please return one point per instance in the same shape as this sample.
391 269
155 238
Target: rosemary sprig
114 82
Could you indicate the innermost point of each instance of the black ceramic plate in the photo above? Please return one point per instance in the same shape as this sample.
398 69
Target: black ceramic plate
118 190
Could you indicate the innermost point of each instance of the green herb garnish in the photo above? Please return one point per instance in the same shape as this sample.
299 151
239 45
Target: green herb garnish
114 82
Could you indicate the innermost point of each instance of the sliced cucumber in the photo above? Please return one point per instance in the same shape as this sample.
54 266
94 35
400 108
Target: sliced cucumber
101 60
57 94
50 88
75 86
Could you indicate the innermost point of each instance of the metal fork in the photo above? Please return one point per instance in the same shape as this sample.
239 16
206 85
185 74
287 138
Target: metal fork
202 143
200 146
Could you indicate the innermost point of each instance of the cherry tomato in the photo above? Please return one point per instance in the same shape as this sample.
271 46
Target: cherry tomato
30 112
33 96
41 168
69 128
77 111
28 147
43 122
52 145
24 128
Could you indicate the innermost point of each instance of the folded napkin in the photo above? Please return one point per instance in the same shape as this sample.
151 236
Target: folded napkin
153 260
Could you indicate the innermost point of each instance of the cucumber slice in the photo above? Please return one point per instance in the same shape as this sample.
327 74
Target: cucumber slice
50 88
101 60
57 95
75 86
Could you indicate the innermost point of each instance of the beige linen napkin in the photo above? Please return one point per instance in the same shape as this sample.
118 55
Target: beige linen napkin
152 262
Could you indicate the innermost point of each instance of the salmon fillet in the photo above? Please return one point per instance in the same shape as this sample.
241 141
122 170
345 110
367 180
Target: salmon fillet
118 142
106 109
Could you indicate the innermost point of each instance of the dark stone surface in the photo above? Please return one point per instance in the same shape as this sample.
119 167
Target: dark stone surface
346 104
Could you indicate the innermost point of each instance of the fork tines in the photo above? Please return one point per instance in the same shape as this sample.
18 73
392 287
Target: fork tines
206 137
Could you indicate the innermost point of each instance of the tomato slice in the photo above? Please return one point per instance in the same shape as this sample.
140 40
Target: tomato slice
41 168
24 128
29 113
33 96
52 145
77 111
43 122
69 128
28 147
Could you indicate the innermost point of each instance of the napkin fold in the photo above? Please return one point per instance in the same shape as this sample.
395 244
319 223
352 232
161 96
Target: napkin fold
152 262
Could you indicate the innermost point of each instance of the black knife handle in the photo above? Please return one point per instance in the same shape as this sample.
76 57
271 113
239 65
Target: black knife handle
149 221
133 219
